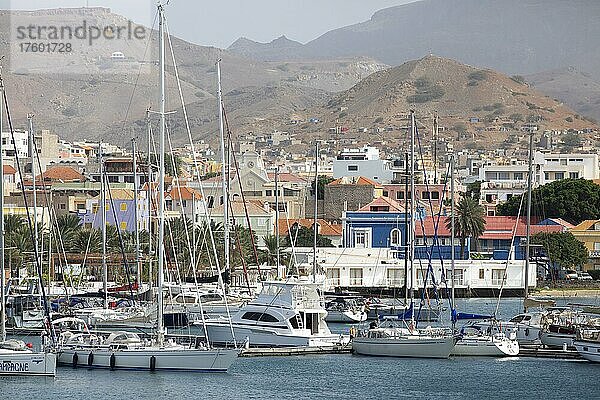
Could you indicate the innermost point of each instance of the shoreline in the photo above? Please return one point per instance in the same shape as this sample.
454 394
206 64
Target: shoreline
568 292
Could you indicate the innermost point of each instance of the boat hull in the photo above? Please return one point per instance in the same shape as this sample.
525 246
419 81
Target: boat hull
486 347
27 363
214 360
556 340
345 316
588 350
220 334
413 348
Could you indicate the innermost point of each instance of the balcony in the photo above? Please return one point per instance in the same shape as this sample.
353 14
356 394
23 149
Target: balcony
594 254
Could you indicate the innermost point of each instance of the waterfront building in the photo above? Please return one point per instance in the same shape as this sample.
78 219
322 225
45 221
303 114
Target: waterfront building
588 232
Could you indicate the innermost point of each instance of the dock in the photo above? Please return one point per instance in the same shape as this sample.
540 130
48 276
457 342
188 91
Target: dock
295 351
541 352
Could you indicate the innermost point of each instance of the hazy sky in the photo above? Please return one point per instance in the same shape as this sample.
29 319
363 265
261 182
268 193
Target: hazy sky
221 22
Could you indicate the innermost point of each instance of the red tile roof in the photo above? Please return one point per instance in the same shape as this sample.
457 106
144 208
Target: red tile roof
8 170
184 193
286 177
325 228
381 203
358 181
61 174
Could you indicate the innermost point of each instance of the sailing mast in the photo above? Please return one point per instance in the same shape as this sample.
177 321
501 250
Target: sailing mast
224 168
32 154
315 225
412 212
161 177
277 219
103 201
135 216
452 235
149 198
2 270
528 229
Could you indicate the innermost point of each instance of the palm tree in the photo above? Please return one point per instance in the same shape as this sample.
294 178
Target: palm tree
468 222
269 255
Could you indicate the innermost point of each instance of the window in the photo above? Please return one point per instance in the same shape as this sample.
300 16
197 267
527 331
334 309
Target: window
425 195
63 206
435 195
268 193
395 237
481 273
399 195
257 316
596 246
395 277
123 225
574 175
497 277
123 206
352 167
362 238
518 176
559 175
356 276
333 276
459 275
211 202
546 175
503 176
184 203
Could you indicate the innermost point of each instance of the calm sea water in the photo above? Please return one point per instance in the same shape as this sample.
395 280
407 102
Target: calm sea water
334 377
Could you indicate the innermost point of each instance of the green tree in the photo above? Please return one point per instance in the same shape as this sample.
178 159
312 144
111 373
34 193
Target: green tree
562 248
474 190
574 200
322 181
469 221
304 237
269 254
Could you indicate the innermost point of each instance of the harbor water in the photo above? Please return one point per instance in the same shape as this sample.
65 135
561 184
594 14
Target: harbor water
343 376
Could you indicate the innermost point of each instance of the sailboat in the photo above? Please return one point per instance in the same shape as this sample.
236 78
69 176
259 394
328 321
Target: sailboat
126 350
399 337
16 357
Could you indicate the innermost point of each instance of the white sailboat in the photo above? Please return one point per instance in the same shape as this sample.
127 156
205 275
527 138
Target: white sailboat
399 338
126 350
16 358
587 344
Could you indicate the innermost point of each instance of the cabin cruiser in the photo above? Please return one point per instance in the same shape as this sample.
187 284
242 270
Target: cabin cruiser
345 309
208 302
559 326
285 314
396 337
587 343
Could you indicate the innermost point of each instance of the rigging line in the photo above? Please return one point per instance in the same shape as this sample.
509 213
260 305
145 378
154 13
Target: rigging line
138 77
195 159
29 222
51 213
120 236
510 253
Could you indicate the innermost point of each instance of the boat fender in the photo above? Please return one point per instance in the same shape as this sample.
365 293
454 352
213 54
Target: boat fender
90 360
113 361
526 331
152 363
75 359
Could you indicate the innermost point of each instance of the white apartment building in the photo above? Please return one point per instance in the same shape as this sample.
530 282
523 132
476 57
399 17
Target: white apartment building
22 144
502 181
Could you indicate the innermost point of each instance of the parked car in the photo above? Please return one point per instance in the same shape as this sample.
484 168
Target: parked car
584 276
570 275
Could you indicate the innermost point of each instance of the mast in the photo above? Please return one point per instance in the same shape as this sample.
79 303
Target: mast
315 225
435 139
528 230
161 177
149 197
407 237
224 168
412 210
136 216
277 219
452 235
32 154
103 201
2 270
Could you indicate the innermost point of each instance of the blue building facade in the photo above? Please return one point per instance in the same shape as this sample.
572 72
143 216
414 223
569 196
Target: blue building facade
367 229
